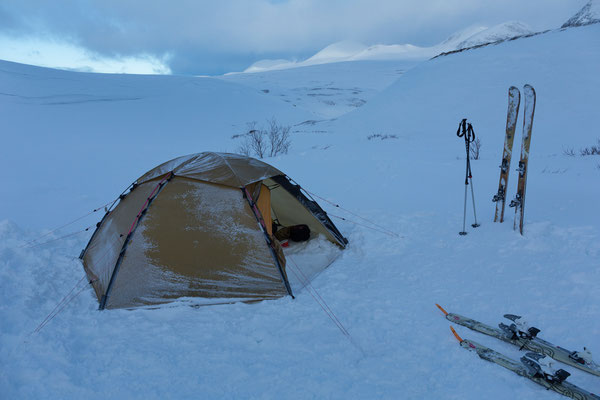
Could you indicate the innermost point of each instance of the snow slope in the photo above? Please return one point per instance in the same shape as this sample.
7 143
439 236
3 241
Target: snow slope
395 161
326 90
60 128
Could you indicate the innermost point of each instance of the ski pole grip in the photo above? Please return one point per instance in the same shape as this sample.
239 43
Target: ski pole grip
462 124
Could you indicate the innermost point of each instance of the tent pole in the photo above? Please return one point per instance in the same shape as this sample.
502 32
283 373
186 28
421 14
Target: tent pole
134 225
263 227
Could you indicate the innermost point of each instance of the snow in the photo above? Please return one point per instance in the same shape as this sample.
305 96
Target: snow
57 124
306 260
328 90
71 141
496 33
339 51
589 14
458 37
352 51
269 65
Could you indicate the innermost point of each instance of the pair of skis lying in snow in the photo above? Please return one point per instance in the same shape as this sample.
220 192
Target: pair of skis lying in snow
534 365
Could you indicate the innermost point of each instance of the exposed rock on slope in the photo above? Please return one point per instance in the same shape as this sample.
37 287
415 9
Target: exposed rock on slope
589 14
496 33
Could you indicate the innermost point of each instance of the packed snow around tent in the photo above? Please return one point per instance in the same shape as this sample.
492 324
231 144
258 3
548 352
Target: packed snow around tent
73 142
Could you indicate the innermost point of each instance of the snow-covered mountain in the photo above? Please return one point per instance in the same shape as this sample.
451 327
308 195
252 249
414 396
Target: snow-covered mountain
496 33
351 51
589 14
336 52
340 51
340 78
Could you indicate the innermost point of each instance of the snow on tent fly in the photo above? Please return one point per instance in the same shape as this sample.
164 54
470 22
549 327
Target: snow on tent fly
200 226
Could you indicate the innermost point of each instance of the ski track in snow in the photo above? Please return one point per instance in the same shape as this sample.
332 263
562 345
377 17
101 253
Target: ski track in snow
382 288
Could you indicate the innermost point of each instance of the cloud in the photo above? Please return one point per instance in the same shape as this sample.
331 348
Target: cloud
202 32
64 55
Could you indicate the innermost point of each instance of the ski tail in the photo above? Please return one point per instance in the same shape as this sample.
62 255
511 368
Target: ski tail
556 382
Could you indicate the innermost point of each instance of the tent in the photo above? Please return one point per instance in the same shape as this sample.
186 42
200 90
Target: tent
200 226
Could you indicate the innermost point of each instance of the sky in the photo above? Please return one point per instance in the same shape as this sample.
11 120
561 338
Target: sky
213 37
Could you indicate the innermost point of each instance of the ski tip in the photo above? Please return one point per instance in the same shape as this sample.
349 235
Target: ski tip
456 335
529 90
441 309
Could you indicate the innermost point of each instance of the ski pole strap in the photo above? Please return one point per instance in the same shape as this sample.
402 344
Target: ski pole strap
466 130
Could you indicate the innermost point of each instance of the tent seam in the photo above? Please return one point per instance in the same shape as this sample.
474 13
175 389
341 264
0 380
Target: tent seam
230 168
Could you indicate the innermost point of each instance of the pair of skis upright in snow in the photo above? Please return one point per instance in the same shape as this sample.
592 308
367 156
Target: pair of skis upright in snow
531 365
514 100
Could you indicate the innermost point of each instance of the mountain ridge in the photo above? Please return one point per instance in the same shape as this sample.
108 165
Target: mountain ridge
353 51
589 14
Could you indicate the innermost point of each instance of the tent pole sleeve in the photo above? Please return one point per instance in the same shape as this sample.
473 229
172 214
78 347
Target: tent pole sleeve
134 225
263 227
99 224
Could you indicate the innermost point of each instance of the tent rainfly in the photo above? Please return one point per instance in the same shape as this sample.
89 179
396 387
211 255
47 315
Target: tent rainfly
200 226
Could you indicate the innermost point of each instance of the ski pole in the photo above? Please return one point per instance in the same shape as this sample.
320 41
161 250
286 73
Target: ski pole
464 232
475 225
472 131
466 130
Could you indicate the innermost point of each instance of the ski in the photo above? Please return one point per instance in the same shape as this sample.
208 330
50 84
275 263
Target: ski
519 201
527 339
530 368
514 100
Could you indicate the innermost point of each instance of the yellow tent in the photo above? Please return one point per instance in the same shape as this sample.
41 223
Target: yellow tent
200 226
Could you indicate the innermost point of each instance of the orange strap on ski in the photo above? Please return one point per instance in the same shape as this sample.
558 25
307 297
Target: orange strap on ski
440 307
456 334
